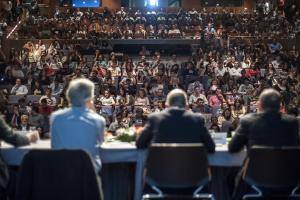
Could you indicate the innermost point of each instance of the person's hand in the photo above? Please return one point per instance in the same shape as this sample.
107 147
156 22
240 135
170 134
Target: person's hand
138 130
33 136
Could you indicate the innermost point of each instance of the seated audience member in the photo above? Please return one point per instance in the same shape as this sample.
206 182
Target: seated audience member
274 46
57 86
14 118
44 109
142 100
36 88
197 94
215 101
24 125
51 100
36 119
226 120
107 105
175 125
200 107
238 109
118 123
268 127
79 126
19 89
139 118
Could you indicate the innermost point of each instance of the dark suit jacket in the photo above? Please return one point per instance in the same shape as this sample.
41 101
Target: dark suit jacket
266 129
175 125
20 127
7 135
9 120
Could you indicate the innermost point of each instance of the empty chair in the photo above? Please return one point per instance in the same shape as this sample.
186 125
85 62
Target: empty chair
13 99
59 175
33 98
273 169
177 166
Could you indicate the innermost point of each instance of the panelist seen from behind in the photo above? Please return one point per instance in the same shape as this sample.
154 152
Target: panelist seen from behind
79 126
175 124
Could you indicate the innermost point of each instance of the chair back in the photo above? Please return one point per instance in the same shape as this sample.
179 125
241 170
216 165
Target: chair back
59 175
270 167
13 99
177 165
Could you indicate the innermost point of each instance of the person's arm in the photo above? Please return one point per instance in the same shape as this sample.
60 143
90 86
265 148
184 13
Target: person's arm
146 135
241 90
205 99
113 103
6 134
13 90
101 127
211 104
191 100
207 139
240 139
53 101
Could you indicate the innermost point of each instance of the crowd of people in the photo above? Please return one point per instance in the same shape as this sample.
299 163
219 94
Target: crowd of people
221 84
158 24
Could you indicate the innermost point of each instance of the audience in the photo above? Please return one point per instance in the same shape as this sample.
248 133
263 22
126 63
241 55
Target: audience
222 82
137 24
214 79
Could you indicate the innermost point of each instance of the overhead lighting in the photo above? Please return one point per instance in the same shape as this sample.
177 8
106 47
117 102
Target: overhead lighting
153 2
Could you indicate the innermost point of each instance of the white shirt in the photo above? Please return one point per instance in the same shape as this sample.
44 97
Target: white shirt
275 63
220 72
235 72
193 98
50 101
19 90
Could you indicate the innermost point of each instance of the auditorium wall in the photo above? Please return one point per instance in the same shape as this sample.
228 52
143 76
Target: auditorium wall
197 4
186 4
113 4
18 44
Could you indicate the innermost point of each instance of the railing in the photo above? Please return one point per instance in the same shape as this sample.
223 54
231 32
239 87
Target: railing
287 43
14 29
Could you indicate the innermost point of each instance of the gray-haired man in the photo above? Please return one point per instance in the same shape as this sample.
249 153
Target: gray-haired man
79 126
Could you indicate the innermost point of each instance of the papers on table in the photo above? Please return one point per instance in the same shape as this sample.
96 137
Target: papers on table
118 145
220 138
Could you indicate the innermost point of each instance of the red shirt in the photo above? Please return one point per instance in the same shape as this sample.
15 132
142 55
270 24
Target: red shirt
251 72
45 110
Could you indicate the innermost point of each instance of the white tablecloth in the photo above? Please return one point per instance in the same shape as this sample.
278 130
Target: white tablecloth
116 152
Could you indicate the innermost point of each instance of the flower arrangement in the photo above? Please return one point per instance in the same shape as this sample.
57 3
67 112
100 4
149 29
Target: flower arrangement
126 134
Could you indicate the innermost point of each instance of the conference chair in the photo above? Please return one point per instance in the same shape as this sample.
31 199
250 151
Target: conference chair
177 166
273 172
33 98
13 99
59 175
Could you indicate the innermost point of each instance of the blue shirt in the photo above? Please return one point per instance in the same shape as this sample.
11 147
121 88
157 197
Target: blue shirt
77 128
